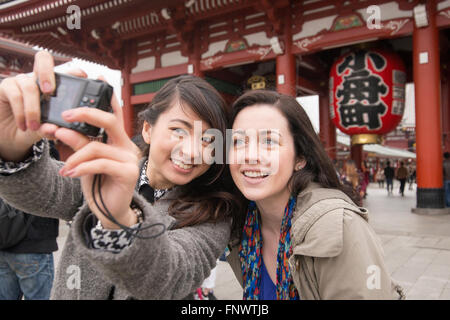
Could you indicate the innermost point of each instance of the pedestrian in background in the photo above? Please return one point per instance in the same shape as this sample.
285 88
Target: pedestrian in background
206 290
365 178
380 177
446 168
352 178
389 174
27 267
402 174
411 177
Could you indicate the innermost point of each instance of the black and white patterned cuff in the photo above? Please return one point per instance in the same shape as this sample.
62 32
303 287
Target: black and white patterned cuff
9 167
112 240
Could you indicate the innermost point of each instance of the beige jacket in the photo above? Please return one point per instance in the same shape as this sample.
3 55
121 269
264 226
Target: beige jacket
336 254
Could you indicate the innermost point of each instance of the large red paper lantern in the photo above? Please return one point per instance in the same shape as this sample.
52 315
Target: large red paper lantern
367 94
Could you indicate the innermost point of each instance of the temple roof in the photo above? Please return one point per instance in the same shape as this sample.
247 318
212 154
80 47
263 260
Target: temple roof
106 25
16 57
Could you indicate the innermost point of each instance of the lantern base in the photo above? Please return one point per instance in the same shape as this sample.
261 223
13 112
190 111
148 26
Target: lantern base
366 139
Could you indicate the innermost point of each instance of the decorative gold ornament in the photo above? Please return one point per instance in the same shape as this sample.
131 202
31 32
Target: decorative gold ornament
366 139
257 82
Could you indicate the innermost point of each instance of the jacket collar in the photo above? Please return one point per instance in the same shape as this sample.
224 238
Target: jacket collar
317 237
169 194
141 166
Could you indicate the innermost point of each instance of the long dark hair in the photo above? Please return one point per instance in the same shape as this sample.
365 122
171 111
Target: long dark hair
319 167
205 198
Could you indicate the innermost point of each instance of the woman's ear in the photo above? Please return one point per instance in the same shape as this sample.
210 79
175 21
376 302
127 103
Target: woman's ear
300 164
146 132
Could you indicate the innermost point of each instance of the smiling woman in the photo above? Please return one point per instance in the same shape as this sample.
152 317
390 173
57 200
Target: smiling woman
125 257
178 128
302 236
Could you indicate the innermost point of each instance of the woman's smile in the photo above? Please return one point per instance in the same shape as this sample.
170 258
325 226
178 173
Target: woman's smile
182 167
254 176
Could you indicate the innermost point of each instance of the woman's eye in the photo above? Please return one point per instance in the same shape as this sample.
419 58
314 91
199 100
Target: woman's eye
237 142
269 142
207 139
179 131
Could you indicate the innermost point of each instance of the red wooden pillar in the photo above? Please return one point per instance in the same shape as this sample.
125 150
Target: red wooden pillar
426 74
285 63
195 57
194 61
327 132
127 107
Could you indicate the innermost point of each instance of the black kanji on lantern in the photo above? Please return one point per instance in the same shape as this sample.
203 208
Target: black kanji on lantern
359 93
357 61
358 115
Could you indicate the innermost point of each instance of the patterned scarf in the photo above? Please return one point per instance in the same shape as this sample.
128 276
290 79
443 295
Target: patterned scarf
250 255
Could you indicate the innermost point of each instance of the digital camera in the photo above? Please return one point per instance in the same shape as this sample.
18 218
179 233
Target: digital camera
73 92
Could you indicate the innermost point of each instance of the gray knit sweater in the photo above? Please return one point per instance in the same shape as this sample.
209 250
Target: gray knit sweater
170 266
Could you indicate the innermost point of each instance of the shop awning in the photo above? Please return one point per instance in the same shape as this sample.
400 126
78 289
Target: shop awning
379 150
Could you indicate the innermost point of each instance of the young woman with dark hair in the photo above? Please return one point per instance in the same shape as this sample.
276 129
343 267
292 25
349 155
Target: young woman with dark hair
302 236
170 208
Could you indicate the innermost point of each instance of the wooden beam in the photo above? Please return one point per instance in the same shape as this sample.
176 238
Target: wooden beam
142 98
159 73
273 15
443 18
182 26
326 40
249 55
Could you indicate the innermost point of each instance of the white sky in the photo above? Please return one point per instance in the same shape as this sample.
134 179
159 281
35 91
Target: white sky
309 103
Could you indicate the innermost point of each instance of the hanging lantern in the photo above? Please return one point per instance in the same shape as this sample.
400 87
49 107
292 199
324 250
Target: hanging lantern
367 94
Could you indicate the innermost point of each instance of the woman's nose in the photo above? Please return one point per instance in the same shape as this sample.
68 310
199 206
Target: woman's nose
251 151
191 150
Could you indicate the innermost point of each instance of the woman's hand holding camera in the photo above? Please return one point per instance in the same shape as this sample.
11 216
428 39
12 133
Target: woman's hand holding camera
20 112
117 160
